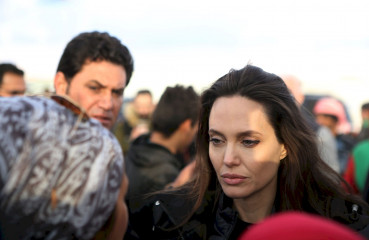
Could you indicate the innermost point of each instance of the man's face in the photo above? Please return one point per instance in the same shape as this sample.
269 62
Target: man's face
326 121
98 88
13 85
143 105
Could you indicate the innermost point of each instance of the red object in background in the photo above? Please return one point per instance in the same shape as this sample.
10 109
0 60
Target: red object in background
301 226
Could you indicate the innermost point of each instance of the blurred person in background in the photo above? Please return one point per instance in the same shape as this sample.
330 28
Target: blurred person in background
330 112
94 70
153 159
357 172
11 80
325 139
364 131
61 173
136 118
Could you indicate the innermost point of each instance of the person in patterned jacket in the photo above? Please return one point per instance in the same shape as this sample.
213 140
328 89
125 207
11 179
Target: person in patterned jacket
61 172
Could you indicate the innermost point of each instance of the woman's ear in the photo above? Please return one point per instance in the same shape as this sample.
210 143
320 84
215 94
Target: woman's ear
60 83
283 153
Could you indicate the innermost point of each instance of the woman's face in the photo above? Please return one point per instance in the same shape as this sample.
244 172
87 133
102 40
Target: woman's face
243 147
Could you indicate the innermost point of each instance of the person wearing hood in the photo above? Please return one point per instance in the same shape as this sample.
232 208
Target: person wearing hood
329 112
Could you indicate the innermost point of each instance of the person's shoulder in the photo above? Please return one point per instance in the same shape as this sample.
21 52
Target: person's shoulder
174 203
353 215
347 139
163 210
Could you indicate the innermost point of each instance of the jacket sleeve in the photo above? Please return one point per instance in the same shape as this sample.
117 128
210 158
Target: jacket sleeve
140 219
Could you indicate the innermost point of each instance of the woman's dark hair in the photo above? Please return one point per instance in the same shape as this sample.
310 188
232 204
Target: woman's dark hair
94 46
305 182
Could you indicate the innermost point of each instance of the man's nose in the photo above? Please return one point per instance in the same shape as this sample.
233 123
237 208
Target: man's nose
106 101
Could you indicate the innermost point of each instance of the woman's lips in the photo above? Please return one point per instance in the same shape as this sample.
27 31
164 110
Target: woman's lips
232 179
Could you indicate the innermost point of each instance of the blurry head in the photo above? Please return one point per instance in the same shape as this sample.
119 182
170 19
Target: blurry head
176 105
365 111
59 176
260 98
143 104
330 112
11 80
294 86
94 70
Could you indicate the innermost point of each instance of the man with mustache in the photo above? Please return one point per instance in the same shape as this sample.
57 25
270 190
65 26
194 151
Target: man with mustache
94 70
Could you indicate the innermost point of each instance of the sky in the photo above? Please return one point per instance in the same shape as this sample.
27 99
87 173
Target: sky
324 43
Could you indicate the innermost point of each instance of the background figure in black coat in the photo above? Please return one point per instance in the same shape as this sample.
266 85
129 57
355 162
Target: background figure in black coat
364 131
152 160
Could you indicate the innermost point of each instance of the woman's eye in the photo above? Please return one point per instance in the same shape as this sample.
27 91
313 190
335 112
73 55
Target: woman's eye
215 141
250 143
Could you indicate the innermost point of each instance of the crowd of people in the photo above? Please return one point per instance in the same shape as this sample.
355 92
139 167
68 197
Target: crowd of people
244 159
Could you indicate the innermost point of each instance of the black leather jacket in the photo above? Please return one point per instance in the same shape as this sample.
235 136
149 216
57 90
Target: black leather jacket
159 216
150 167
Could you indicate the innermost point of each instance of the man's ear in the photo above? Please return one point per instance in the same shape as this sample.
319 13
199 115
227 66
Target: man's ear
185 125
283 152
60 83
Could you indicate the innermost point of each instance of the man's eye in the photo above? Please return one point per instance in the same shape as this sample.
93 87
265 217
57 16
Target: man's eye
94 88
250 143
118 92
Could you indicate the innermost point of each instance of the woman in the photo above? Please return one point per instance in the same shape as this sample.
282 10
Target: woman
255 156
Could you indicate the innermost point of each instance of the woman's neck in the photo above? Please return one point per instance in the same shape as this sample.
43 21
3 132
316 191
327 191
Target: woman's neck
258 206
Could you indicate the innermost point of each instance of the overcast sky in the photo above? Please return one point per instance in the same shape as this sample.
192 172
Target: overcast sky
324 43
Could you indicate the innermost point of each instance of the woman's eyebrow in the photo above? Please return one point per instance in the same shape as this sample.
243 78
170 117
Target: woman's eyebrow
212 131
248 133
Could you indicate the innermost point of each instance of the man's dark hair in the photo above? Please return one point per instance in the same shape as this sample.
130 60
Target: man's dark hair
9 68
144 91
94 46
175 106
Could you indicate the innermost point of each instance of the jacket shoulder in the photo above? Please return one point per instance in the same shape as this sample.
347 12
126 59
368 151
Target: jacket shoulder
160 216
351 214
